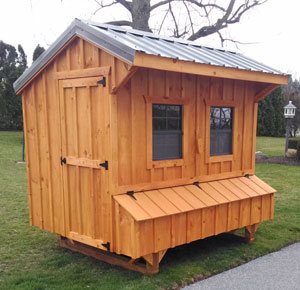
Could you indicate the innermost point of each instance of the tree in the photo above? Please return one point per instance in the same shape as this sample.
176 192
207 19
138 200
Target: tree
270 119
12 65
37 52
191 19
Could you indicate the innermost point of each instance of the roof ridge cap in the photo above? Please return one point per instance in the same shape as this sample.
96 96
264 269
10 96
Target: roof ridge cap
151 35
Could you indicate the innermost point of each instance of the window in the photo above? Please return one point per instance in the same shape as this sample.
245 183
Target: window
166 131
221 119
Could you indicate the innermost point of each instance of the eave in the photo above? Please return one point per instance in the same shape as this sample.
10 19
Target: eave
175 65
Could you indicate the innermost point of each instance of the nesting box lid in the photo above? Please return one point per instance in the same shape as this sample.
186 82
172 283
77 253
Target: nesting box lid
178 199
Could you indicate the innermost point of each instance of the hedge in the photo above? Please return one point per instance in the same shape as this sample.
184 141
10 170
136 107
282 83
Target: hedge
293 143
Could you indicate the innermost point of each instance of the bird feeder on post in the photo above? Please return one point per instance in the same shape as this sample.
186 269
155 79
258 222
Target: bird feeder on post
289 113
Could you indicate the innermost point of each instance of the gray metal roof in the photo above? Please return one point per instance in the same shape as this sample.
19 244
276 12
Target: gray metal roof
124 43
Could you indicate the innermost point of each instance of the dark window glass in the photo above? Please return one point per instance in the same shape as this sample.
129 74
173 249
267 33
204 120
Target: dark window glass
221 119
167 132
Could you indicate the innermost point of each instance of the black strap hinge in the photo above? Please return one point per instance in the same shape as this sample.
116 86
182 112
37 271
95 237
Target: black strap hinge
63 160
196 183
131 194
107 246
104 164
102 82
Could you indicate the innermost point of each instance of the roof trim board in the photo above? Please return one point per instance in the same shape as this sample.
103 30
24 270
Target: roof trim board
81 29
130 44
176 65
179 199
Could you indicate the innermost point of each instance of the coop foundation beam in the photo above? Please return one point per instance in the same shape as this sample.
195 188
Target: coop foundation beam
111 258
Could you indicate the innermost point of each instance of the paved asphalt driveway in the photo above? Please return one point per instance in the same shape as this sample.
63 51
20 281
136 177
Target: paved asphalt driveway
275 271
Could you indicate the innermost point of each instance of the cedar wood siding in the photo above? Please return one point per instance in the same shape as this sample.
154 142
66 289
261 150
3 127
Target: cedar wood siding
197 92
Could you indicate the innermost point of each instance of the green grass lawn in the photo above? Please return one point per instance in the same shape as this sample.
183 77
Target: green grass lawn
271 146
31 259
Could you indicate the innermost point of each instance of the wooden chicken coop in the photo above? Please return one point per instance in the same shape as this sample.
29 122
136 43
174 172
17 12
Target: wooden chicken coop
137 143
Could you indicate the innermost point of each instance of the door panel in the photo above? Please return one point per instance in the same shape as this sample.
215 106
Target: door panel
83 129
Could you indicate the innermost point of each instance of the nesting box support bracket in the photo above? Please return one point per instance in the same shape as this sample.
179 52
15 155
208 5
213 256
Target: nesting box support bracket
249 235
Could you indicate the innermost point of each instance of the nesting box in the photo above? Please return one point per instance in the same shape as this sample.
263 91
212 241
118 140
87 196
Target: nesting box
137 143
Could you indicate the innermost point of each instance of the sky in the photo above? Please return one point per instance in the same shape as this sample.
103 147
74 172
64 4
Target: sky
272 29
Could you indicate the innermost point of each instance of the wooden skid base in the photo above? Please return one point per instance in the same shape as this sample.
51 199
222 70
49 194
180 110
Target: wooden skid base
111 258
249 233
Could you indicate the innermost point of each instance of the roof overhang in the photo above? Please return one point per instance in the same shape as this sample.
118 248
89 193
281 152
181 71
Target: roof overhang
163 63
132 55
80 29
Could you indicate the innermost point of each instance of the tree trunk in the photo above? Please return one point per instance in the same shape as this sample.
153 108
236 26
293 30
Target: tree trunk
141 14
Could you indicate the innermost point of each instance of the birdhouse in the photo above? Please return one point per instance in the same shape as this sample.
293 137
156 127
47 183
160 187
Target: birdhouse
290 110
137 143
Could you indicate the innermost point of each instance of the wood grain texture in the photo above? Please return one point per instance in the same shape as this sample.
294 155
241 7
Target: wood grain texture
68 114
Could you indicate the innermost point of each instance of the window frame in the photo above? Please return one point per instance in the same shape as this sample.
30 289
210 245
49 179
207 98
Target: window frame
149 131
221 130
167 131
226 157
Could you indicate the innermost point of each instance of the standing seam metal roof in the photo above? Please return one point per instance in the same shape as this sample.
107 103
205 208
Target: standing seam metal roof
124 43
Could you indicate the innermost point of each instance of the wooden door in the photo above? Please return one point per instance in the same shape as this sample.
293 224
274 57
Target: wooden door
84 130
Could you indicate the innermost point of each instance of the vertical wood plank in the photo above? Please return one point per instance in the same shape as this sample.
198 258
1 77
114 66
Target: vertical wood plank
221 218
208 221
91 170
28 169
76 149
48 149
82 53
234 216
56 135
239 122
255 109
194 223
256 210
162 233
146 237
178 229
37 147
64 171
117 228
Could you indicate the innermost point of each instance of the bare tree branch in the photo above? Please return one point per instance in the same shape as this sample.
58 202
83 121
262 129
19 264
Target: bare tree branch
189 15
196 18
237 16
195 2
126 4
120 23
227 19
176 32
163 21
235 42
101 5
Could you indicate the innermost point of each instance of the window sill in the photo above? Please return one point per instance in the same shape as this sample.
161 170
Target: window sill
165 163
219 158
